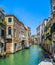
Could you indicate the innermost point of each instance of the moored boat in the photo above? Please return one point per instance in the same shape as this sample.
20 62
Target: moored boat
26 47
47 60
45 63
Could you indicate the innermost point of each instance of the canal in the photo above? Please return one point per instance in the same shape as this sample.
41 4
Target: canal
30 56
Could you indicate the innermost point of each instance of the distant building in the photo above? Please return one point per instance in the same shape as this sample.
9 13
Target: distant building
43 29
34 39
28 36
39 35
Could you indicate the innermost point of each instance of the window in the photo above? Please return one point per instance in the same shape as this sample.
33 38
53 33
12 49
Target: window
14 21
54 7
14 32
1 45
53 28
53 44
9 19
9 30
2 32
0 16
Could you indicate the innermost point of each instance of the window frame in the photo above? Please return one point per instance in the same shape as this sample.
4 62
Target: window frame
9 30
10 20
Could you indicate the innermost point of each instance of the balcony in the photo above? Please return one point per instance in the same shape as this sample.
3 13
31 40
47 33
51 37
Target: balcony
23 37
53 11
53 28
49 36
8 36
2 39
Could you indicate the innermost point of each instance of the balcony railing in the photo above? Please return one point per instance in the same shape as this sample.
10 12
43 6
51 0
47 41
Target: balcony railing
49 36
53 11
23 37
8 36
2 39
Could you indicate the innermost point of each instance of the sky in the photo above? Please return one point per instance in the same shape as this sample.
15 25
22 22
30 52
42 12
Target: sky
30 12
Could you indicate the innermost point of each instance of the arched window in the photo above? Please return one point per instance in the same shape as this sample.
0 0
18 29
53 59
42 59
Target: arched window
9 30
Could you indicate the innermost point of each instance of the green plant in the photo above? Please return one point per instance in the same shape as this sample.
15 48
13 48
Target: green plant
2 22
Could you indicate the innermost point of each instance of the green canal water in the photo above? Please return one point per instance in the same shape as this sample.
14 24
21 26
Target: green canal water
30 56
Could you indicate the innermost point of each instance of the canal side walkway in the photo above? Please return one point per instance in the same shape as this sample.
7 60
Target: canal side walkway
30 56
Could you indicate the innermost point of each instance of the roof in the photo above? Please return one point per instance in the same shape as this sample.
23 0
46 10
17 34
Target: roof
14 17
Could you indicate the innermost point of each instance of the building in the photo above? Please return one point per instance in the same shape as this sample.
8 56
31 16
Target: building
48 36
22 34
48 32
39 35
17 34
34 39
28 36
2 34
53 26
43 28
14 34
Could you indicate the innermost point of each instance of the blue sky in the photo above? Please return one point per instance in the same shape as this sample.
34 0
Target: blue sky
30 12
